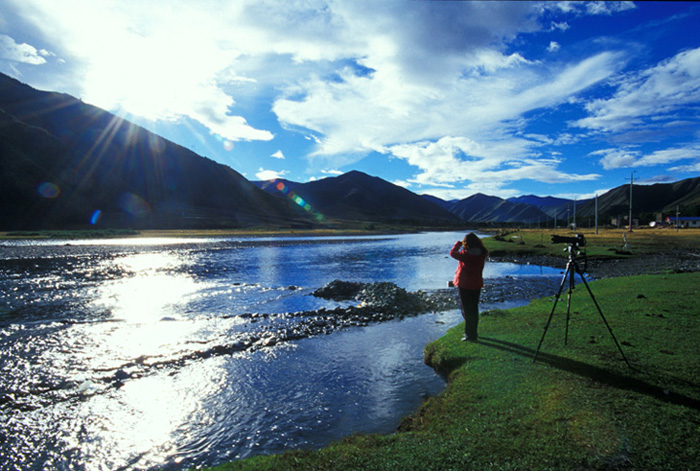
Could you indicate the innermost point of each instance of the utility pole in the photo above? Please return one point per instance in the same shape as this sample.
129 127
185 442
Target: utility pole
678 218
631 183
596 214
574 213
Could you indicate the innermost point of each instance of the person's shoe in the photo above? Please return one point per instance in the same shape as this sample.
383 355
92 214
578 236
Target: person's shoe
465 338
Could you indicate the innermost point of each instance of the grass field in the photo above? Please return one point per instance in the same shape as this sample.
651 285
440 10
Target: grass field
578 407
608 243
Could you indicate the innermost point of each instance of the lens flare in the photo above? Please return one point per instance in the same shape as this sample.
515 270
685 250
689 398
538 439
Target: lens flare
94 219
49 190
298 200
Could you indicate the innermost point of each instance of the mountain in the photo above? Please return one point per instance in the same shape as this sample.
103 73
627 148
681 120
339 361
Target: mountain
559 208
647 199
491 209
67 164
361 197
540 201
439 201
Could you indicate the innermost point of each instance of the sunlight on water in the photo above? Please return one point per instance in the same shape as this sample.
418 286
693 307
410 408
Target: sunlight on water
147 418
152 294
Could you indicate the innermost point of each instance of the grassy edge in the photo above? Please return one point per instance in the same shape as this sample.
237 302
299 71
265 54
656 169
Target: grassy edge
578 407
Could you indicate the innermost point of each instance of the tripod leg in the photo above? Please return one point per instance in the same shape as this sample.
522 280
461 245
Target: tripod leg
568 306
556 300
605 320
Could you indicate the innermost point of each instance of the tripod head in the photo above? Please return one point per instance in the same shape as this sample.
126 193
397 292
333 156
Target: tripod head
579 240
575 248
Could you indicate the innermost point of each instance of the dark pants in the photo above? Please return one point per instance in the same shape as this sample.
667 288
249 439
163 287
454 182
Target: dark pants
470 311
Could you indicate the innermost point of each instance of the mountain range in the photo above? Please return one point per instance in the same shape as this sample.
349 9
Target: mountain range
67 164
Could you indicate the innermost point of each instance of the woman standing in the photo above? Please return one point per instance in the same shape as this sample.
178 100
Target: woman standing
471 254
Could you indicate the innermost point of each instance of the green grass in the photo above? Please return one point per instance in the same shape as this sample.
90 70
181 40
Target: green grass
608 243
578 407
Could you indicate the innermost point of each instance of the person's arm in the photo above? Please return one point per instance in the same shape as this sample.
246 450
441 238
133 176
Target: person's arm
455 253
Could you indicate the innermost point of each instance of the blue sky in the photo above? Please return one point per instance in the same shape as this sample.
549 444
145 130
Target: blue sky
566 99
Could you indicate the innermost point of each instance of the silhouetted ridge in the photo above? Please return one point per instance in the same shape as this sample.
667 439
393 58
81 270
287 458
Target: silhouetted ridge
91 160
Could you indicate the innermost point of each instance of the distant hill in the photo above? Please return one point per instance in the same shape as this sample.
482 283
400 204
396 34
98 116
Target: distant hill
360 197
491 209
647 199
560 208
439 201
540 201
66 164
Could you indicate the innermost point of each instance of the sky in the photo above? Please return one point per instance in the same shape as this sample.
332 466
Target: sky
448 98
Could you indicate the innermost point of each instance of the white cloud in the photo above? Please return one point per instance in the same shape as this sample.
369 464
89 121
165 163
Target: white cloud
622 158
617 158
263 174
278 155
24 53
553 46
452 161
649 98
368 113
607 7
692 168
590 8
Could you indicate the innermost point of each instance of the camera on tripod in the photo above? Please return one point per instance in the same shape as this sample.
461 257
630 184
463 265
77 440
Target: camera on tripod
578 241
573 267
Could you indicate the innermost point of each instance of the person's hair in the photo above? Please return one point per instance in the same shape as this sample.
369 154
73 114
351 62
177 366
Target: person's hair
473 240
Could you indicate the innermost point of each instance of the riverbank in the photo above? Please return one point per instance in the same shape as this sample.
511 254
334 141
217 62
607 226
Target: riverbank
610 253
578 407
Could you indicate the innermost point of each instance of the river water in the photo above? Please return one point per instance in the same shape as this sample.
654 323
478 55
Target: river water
153 354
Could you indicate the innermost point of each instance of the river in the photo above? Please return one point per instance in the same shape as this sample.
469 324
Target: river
152 354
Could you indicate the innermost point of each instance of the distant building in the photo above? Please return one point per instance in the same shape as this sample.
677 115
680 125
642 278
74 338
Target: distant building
684 221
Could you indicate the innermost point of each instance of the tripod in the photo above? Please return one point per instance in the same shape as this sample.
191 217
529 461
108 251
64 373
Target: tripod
572 268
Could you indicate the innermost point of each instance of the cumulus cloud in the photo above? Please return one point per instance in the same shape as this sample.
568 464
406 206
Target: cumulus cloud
24 53
553 46
278 155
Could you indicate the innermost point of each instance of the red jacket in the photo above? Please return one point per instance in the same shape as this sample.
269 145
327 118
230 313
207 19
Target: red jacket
470 268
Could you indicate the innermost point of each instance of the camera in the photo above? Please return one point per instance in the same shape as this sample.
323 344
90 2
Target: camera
579 240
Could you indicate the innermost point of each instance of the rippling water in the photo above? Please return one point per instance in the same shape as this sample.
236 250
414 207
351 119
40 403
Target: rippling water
117 354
